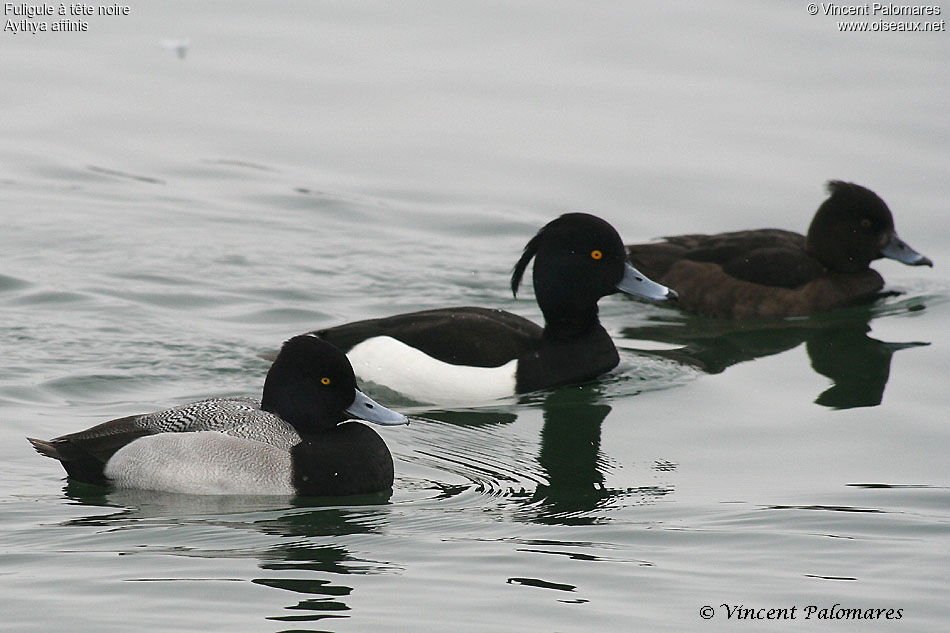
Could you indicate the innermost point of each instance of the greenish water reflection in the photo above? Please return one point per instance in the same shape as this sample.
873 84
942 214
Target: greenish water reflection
570 469
302 526
837 344
573 463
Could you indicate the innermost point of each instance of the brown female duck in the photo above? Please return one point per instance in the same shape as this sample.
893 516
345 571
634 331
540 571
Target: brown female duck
776 273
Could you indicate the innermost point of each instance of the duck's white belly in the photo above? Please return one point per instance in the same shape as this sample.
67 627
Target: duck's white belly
386 361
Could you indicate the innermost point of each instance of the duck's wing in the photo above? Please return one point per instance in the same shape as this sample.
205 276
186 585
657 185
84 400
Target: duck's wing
478 337
214 414
237 417
768 257
84 453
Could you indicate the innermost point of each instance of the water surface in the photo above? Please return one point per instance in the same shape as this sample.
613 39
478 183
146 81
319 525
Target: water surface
168 221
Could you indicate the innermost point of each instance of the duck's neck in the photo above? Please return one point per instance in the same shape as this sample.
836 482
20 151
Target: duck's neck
567 357
567 300
569 322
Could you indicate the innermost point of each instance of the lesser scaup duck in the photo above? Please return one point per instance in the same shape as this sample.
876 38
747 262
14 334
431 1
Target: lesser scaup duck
293 442
775 273
470 354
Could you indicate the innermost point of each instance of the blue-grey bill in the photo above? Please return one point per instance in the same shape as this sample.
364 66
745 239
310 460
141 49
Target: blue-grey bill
898 249
365 408
639 285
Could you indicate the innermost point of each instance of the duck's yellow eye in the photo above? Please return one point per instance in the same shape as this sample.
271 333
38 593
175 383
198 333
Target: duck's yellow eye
325 381
595 254
866 223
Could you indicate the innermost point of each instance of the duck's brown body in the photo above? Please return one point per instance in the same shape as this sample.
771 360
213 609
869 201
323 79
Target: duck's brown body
774 273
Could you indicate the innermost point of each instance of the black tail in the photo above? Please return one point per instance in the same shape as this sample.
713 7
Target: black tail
45 448
80 464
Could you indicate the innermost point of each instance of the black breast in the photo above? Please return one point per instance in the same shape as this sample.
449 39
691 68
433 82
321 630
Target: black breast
567 361
350 459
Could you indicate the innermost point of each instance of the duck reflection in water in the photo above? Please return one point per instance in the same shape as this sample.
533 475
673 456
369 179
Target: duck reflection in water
570 473
837 344
573 463
307 559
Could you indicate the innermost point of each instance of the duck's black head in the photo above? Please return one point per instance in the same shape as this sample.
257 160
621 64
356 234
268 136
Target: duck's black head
852 228
579 258
311 385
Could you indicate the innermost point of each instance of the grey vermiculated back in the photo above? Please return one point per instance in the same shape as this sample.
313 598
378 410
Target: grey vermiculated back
237 417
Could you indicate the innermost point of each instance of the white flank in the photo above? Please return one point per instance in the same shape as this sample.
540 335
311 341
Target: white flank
203 463
385 361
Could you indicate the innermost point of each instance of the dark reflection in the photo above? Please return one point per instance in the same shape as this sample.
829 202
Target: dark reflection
837 343
318 597
857 364
570 449
573 464
138 504
303 525
471 417
564 484
327 602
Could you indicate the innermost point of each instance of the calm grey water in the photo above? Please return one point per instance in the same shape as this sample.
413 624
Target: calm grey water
166 221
